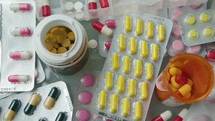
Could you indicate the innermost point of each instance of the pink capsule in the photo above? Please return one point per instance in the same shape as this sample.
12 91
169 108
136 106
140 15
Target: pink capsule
18 78
21 31
20 7
107 45
210 55
45 8
181 115
163 116
111 23
92 5
102 28
20 55
104 3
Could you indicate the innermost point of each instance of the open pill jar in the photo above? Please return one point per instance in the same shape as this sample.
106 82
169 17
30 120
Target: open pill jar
61 43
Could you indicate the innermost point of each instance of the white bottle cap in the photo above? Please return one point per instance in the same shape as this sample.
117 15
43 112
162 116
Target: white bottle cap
68 6
78 5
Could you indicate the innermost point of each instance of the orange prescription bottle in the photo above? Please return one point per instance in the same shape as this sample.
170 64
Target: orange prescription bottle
197 69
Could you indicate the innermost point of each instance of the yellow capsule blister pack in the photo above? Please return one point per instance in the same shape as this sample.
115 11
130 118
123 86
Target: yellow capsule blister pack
126 84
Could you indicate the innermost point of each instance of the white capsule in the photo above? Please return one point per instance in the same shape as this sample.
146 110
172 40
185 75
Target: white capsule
18 78
20 31
20 55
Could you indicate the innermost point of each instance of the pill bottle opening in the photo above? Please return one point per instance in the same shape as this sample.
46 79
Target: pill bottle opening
58 37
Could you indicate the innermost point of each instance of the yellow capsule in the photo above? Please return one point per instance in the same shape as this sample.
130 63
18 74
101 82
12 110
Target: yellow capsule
102 99
155 52
120 84
115 61
133 45
125 107
143 49
178 64
138 68
161 33
113 103
184 90
149 29
172 88
121 42
137 111
143 90
173 71
55 45
149 71
174 83
108 80
126 64
190 82
131 87
127 24
139 26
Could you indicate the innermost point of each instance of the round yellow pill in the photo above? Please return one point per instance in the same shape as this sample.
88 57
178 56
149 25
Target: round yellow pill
47 36
55 45
62 50
54 51
204 17
55 30
49 46
71 36
66 43
193 34
208 32
60 39
71 45
191 19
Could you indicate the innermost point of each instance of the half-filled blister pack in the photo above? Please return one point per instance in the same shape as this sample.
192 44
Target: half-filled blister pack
50 102
126 83
18 64
197 27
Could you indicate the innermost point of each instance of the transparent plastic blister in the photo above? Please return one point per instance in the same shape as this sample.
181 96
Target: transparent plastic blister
18 64
197 27
133 62
62 104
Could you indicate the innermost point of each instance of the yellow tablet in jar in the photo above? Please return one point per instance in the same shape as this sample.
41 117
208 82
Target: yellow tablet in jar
61 50
190 19
71 36
204 17
54 51
49 46
208 32
66 43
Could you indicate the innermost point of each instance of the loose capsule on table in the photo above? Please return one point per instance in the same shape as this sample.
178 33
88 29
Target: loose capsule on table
104 3
21 31
20 55
52 98
163 116
12 110
18 78
45 8
20 7
92 5
32 104
62 116
102 28
111 23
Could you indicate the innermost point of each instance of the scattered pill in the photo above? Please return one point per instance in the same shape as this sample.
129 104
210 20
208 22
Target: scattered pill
115 61
177 46
161 32
92 44
45 8
78 5
208 32
194 49
32 104
125 107
133 45
88 80
196 5
92 5
18 78
121 42
181 80
149 29
175 14
131 87
204 17
127 24
173 71
143 49
149 71
85 97
143 90
113 103
21 31
190 19
79 14
163 116
102 28
104 3
126 64
181 115
193 34
108 80
12 110
102 99
52 98
107 45
43 119
184 90
176 31
61 116
155 51
68 6
138 68
83 115
137 110
111 23
120 84
174 83
139 26
20 55
20 7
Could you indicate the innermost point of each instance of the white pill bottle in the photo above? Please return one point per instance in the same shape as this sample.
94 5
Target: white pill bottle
70 61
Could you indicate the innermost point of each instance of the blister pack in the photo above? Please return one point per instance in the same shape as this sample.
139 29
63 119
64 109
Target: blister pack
126 82
197 27
18 64
175 44
51 102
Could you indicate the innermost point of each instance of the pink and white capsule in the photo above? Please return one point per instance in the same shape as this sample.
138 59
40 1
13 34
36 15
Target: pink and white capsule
181 115
20 55
102 28
163 116
20 7
21 31
18 78
92 5
111 23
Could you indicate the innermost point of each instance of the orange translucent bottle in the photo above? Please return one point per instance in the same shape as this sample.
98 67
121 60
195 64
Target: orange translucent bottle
197 69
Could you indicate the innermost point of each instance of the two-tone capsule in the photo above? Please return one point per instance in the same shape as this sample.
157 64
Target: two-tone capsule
20 55
32 104
18 78
52 98
21 31
20 7
62 116
12 110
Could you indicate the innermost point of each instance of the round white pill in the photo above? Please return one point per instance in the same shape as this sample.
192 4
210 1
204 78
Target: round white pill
68 6
79 14
78 5
92 44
